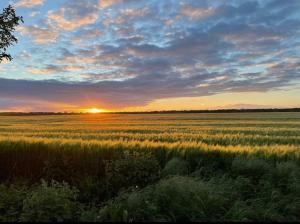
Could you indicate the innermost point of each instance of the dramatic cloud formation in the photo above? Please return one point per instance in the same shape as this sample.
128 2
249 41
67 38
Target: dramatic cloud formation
117 54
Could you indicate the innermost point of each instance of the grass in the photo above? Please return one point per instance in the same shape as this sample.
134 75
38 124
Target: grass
110 165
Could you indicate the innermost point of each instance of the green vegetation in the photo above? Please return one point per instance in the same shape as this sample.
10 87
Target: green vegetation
150 167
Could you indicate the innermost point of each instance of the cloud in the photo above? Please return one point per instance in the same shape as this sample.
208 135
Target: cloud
40 35
86 35
139 90
29 3
33 14
197 13
120 55
74 14
54 69
135 13
108 3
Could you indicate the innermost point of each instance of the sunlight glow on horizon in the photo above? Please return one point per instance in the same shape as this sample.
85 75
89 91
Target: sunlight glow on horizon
95 110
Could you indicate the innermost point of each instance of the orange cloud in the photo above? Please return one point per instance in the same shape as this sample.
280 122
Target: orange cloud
29 3
40 35
72 23
108 3
197 13
51 69
42 71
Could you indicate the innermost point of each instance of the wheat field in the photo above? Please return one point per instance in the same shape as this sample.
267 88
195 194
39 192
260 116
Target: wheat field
257 129
253 155
230 132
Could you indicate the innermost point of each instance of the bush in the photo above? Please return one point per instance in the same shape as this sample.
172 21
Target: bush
51 203
92 189
134 169
89 215
176 166
287 177
174 199
11 202
253 168
253 210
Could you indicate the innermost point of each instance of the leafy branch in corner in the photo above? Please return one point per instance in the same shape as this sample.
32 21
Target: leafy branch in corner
8 23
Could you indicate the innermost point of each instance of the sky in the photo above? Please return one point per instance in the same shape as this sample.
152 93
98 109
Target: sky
132 55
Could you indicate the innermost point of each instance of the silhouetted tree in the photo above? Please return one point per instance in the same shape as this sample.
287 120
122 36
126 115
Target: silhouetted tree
8 23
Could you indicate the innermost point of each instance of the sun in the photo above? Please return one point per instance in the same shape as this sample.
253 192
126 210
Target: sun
95 110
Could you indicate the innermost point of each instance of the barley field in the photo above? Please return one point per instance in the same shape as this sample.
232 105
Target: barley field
281 130
185 166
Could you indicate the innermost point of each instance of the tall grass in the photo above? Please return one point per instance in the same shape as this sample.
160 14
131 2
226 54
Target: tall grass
29 157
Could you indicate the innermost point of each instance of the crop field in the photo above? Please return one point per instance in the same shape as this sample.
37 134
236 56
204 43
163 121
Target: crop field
150 167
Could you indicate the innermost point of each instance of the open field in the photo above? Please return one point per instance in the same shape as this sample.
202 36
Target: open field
234 166
251 129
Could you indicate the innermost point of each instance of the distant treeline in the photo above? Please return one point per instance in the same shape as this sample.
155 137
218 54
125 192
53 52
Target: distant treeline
214 111
159 112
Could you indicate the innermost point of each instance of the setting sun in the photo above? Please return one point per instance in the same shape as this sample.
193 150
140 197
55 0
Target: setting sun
95 110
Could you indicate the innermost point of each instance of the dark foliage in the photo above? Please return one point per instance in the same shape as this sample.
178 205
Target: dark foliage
8 23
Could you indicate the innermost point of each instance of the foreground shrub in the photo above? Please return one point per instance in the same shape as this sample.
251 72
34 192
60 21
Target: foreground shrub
176 166
287 177
92 189
174 199
253 168
89 215
51 203
133 169
11 202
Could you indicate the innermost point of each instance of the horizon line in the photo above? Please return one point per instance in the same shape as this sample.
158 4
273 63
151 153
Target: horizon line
293 109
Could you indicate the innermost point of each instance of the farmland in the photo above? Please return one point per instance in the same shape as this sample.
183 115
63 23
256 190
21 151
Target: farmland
150 167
